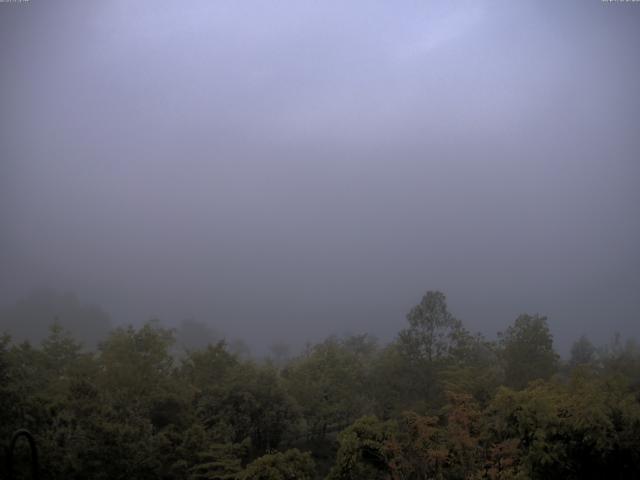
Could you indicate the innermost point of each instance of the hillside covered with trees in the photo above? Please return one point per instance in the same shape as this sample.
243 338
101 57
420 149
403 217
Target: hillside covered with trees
435 403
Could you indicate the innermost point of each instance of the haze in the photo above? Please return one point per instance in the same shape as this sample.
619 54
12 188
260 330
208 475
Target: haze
287 170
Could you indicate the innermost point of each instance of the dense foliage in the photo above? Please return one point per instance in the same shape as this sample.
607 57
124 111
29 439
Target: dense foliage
437 402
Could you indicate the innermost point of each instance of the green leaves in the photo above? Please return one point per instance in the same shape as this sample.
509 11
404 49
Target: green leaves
365 450
134 410
432 329
568 431
527 351
328 385
289 465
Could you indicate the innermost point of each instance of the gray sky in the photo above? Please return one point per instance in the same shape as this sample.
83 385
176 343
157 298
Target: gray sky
291 169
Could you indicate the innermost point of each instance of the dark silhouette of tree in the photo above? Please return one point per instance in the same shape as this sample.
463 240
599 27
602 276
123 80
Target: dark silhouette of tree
527 351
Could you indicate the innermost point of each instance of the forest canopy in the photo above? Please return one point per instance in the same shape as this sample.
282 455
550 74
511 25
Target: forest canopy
436 402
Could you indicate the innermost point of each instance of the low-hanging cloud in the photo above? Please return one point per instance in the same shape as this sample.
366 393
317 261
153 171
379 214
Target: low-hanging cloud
288 171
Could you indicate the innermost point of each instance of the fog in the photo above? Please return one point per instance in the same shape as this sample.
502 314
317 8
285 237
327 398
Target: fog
287 170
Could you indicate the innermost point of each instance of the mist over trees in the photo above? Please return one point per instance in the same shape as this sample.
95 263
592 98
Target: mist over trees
254 202
31 317
435 402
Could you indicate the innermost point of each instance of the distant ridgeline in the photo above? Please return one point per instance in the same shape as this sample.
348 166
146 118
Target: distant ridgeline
32 317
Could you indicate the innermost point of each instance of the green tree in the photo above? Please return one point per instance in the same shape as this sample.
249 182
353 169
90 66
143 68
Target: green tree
11 400
289 465
365 451
473 369
582 352
328 385
432 329
239 399
527 351
588 428
434 340
623 359
256 408
136 366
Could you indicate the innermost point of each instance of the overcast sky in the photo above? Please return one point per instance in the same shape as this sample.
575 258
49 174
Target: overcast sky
292 169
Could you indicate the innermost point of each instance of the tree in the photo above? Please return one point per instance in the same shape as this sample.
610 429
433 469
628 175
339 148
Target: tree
10 396
588 428
463 431
328 385
582 352
255 407
365 451
432 328
64 361
289 465
60 348
620 358
136 367
527 351
421 450
433 340
239 400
